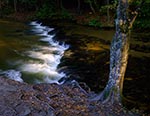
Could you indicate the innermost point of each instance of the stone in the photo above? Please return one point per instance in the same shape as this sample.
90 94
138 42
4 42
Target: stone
53 100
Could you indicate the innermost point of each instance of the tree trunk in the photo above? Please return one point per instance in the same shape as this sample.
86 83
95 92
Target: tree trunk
15 5
61 4
79 6
96 5
1 3
108 13
118 57
58 2
91 6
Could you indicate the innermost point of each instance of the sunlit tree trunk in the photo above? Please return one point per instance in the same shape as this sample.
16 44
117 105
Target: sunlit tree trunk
118 56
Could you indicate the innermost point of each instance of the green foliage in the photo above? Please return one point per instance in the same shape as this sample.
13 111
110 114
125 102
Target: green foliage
65 14
88 1
45 12
5 11
138 1
48 11
144 11
111 7
95 23
142 20
142 24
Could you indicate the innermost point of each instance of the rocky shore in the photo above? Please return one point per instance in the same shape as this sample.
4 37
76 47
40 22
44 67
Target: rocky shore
69 99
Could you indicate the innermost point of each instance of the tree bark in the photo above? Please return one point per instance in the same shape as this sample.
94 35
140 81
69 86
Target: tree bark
118 57
79 6
61 4
15 5
1 3
108 13
91 6
96 5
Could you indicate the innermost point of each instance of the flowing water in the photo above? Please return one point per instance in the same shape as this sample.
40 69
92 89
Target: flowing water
29 53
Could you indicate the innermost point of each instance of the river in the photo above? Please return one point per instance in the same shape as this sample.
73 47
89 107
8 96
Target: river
29 53
35 54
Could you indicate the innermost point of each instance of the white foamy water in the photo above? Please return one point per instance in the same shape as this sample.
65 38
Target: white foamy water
49 55
12 74
42 60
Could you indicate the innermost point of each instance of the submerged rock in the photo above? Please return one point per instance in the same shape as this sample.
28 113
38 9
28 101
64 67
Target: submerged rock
22 99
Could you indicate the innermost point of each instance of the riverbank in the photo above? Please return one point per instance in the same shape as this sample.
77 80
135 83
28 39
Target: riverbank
52 100
89 45
87 60
20 17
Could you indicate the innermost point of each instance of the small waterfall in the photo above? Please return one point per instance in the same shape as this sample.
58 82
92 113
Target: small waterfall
42 60
48 55
12 74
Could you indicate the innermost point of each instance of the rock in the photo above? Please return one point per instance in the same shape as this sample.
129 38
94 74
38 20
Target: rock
21 99
23 109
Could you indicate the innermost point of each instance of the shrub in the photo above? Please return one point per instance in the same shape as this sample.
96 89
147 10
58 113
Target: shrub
95 23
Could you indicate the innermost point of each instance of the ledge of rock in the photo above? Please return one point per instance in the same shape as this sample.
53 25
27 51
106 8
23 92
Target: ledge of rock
22 99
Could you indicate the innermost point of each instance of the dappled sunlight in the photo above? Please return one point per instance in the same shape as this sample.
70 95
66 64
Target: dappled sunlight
4 21
3 44
95 47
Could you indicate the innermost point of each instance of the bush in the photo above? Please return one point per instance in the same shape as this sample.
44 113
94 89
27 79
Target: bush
52 13
45 12
95 23
142 20
65 14
5 11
